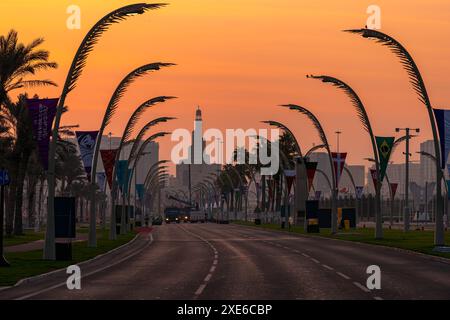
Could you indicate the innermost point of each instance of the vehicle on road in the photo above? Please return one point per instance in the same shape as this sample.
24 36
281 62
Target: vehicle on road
157 221
197 216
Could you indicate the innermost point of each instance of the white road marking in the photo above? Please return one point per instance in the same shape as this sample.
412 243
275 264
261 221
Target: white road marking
343 275
200 289
327 267
208 277
305 255
315 260
378 298
359 285
213 268
87 274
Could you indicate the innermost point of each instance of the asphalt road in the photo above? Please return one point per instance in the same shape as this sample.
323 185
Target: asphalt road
210 261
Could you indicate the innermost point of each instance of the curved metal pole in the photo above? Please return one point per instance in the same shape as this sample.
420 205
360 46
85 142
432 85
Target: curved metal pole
74 73
357 103
419 86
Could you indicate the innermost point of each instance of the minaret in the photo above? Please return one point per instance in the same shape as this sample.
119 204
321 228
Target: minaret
198 114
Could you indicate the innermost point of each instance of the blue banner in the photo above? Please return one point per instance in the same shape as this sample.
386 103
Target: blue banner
443 124
101 181
86 142
140 191
122 172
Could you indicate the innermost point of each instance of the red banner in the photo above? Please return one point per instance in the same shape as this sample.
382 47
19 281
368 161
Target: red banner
394 189
338 162
108 157
311 172
290 177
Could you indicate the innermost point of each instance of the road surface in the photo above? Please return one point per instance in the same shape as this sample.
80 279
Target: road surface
210 261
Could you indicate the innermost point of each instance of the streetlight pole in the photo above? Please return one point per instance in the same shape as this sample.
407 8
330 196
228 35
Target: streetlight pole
406 217
338 133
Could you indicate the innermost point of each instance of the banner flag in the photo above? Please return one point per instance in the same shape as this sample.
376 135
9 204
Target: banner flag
359 192
121 173
443 124
317 194
101 181
42 112
290 176
338 162
384 146
311 168
140 191
373 173
394 187
86 142
108 158
448 188
448 169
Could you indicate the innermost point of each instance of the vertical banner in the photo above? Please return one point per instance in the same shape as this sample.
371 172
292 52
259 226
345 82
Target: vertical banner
448 188
338 162
42 112
394 187
384 146
121 173
140 191
359 192
311 168
443 124
86 143
373 174
101 181
108 158
317 194
290 176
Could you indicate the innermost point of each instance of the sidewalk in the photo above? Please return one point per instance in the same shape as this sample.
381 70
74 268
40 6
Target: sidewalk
38 244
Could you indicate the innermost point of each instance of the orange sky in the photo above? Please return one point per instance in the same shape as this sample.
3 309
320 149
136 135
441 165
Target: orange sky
239 59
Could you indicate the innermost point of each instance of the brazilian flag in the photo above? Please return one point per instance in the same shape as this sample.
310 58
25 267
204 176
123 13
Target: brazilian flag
384 145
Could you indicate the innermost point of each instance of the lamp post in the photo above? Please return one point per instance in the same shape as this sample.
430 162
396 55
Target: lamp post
74 73
406 213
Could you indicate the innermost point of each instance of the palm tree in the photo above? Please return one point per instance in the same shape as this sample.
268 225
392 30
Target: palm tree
416 80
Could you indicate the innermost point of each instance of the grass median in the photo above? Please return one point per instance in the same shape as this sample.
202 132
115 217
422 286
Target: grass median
30 263
418 241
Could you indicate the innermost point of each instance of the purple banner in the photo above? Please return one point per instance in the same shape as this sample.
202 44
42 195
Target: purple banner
86 142
42 112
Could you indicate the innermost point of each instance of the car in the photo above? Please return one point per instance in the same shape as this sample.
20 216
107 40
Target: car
157 221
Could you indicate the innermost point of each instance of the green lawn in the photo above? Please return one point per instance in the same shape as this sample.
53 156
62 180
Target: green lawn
28 236
420 241
27 264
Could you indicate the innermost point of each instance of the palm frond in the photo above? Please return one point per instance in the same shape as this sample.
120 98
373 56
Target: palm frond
406 60
313 119
138 113
315 148
95 33
354 99
123 86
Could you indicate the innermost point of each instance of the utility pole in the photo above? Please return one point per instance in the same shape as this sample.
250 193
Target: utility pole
406 219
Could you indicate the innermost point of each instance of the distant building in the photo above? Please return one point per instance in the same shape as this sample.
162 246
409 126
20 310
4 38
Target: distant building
197 172
427 165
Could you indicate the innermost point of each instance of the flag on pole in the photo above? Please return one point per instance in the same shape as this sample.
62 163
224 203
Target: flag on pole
443 124
108 158
101 180
42 112
290 176
311 168
86 142
373 173
394 187
359 192
338 162
384 146
121 173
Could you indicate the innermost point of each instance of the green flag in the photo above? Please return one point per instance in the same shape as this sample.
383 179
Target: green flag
384 145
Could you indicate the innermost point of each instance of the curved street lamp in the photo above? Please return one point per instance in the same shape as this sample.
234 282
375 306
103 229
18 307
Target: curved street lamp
364 118
419 87
125 138
75 71
323 138
109 112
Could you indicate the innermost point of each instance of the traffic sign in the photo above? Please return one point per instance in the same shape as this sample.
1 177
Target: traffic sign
4 178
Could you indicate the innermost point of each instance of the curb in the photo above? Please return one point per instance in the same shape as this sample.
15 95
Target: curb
44 275
411 252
